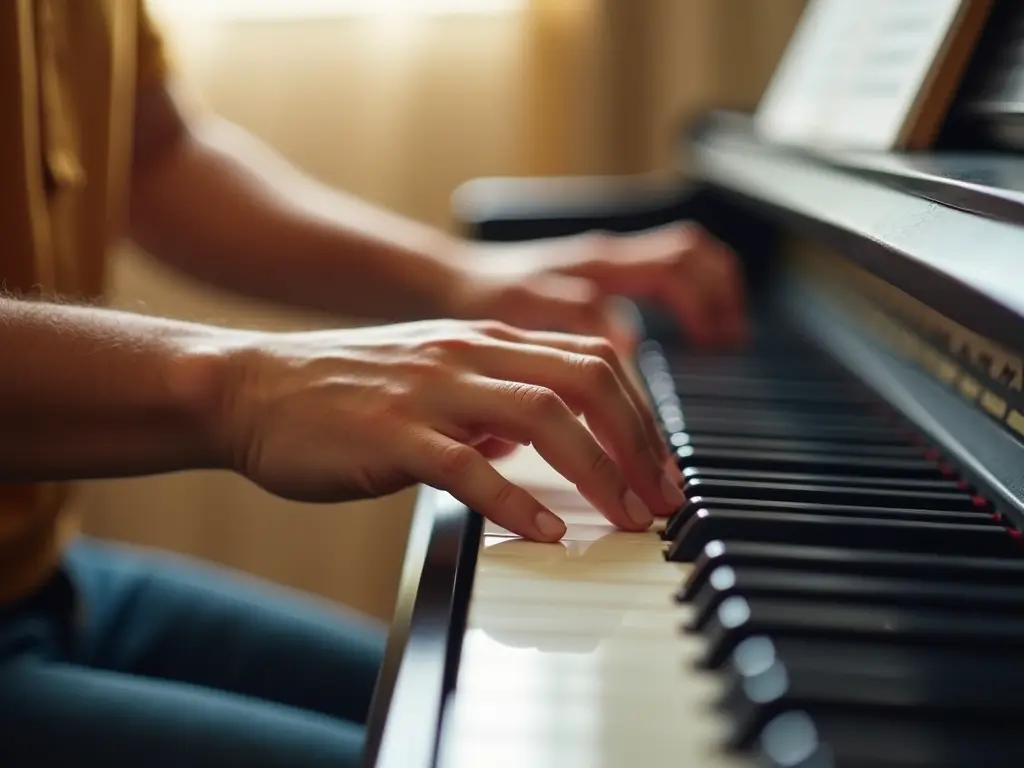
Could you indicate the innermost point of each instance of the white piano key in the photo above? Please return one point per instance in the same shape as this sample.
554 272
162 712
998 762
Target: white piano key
601 553
575 531
513 588
574 654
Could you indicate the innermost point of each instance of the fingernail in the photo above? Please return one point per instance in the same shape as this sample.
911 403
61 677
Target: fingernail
549 525
672 471
673 495
637 510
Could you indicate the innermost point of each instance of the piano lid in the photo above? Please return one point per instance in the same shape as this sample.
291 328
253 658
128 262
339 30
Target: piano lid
968 266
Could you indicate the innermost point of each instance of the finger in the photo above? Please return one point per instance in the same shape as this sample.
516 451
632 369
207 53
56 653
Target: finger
589 385
604 350
715 270
691 273
532 413
689 301
647 266
551 301
569 304
455 467
735 296
493 448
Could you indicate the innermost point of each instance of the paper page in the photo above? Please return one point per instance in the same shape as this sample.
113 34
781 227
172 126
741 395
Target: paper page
853 72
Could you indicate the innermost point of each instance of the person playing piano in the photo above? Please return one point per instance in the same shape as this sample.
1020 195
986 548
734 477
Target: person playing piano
110 657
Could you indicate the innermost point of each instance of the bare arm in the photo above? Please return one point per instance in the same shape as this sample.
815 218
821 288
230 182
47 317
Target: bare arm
88 393
326 416
224 208
217 204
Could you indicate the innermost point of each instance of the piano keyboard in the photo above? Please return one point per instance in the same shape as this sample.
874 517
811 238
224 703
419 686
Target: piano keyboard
833 594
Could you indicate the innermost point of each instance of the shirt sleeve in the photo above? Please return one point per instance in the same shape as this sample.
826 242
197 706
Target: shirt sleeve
151 50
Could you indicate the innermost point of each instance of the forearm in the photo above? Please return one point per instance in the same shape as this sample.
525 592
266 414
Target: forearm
220 206
89 393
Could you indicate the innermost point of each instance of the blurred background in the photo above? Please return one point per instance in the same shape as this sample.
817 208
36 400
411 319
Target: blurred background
400 101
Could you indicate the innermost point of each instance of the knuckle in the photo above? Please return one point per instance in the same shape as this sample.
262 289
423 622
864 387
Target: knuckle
452 345
492 328
603 466
506 494
454 460
694 237
593 241
538 401
426 368
692 245
390 407
642 449
599 374
600 348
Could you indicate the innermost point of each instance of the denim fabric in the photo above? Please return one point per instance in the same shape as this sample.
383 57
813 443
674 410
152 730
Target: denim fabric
127 658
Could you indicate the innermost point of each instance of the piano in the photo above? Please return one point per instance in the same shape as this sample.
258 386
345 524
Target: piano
845 585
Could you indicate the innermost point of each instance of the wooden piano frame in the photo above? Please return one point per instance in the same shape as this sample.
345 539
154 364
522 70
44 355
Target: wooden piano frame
910 227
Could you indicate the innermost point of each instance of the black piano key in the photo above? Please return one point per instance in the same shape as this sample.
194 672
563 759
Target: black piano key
790 445
709 524
747 369
947 500
693 386
676 523
768 427
785 413
883 658
739 618
844 560
769 494
766 679
779 461
792 740
726 581
795 739
809 478
747 362
761 379
808 367
809 414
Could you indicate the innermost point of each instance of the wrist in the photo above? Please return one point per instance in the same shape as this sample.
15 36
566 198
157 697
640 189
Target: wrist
202 374
450 279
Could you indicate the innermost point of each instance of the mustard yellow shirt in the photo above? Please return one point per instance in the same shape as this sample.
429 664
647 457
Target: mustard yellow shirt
69 70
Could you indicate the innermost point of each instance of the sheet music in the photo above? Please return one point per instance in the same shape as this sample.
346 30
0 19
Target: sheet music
854 72
795 105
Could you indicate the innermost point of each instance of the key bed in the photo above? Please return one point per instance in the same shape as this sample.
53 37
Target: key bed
852 593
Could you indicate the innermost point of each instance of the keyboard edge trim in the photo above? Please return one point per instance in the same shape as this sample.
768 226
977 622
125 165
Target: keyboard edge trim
410 698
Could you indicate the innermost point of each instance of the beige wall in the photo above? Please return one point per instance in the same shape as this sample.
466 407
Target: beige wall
401 114
668 60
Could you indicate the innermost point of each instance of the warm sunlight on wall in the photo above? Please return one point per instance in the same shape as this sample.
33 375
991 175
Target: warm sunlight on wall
294 9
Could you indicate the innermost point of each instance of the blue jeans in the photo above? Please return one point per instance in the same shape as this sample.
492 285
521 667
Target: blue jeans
133 659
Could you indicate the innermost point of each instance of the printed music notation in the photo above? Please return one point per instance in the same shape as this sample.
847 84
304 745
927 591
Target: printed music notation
869 74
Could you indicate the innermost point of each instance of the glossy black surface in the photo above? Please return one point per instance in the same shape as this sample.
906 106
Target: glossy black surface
886 587
985 183
879 607
963 265
422 651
